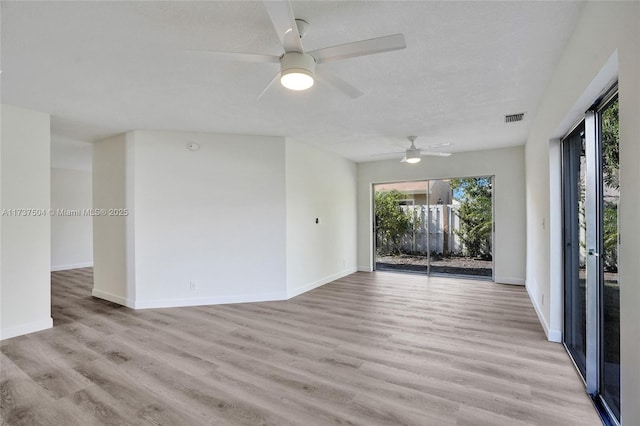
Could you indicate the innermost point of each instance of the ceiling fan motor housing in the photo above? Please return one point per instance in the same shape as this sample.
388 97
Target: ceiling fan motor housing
297 62
413 153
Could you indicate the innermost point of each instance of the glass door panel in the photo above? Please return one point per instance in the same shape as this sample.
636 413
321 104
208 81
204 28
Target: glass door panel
461 226
400 226
610 309
575 272
591 244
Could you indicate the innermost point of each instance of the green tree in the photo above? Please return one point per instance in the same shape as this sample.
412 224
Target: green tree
610 228
611 146
611 177
392 222
475 214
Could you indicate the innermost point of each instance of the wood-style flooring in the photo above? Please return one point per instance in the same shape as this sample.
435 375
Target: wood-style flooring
369 349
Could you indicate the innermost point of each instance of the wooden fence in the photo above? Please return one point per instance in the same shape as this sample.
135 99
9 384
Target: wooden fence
435 232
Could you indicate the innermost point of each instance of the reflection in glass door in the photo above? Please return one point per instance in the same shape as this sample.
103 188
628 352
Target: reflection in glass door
442 226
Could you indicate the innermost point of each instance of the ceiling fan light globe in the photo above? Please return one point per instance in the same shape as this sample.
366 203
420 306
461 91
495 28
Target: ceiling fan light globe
296 70
413 155
297 80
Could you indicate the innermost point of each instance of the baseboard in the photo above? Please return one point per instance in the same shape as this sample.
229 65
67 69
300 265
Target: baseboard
200 301
219 300
552 334
30 327
555 336
507 280
71 266
298 291
113 298
367 268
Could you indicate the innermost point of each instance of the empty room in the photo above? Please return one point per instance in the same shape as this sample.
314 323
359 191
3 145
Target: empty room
319 212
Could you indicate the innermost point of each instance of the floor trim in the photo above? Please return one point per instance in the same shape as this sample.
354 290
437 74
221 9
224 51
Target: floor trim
553 335
201 301
113 298
300 290
56 268
30 327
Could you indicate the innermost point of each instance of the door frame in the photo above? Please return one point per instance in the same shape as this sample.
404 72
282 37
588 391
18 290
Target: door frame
594 251
492 179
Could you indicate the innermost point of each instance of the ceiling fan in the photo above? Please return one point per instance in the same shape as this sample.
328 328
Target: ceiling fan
297 67
413 154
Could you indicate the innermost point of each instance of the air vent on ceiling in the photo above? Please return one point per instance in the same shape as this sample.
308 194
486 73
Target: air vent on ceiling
513 118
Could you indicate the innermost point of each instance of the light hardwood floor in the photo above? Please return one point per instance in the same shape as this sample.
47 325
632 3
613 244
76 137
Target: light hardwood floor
368 349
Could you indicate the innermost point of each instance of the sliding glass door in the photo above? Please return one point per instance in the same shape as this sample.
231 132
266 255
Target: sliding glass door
610 301
591 244
440 226
575 271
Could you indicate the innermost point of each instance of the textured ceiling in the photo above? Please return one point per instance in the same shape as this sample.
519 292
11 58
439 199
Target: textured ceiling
107 67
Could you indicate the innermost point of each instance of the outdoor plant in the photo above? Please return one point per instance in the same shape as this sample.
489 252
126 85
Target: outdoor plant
610 175
392 221
476 220
610 228
610 146
610 171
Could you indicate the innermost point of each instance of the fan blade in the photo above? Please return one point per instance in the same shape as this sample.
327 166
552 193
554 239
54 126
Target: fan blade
435 154
240 57
339 84
437 145
284 22
273 80
359 48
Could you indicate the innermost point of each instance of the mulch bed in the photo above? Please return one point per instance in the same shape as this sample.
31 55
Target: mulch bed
441 265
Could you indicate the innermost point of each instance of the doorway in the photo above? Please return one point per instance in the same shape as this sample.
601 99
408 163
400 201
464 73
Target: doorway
435 227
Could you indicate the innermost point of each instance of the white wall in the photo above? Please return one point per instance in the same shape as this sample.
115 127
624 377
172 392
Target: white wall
319 185
507 165
233 221
215 216
70 154
205 226
25 295
608 32
112 259
71 236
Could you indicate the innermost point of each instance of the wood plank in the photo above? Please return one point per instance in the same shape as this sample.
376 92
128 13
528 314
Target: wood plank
369 349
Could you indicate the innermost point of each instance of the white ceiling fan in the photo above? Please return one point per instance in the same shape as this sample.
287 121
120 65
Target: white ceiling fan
413 154
297 67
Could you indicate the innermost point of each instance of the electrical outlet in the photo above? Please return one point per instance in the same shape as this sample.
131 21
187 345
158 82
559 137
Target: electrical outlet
193 285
